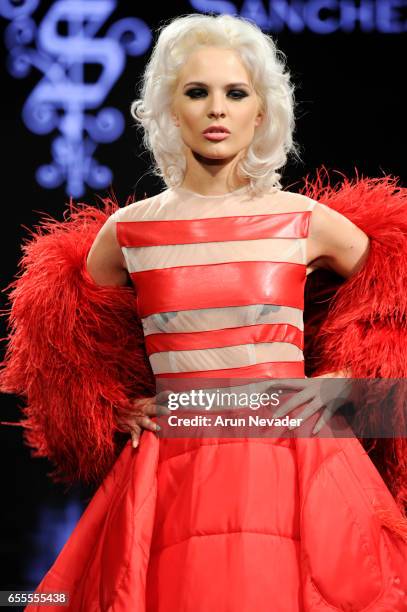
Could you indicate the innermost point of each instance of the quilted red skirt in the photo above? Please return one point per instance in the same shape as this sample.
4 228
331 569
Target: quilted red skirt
226 529
195 525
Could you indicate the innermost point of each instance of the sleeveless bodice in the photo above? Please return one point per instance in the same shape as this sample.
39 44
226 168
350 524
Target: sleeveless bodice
219 281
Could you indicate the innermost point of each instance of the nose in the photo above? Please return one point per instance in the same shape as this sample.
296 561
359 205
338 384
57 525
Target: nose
215 107
216 114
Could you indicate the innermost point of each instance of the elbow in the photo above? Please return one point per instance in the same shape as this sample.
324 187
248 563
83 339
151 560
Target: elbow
363 258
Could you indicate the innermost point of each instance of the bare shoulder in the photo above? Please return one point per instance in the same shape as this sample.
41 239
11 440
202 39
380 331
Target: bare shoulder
293 200
133 211
105 260
328 226
323 221
335 242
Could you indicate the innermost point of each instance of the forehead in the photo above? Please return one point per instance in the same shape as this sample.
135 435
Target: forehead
200 66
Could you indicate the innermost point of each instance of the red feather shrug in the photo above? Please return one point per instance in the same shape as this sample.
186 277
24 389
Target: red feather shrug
75 350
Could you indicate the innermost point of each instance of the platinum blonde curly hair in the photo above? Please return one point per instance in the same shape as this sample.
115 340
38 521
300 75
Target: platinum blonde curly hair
273 140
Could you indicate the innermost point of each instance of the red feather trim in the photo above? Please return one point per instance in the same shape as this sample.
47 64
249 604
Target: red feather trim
75 349
360 323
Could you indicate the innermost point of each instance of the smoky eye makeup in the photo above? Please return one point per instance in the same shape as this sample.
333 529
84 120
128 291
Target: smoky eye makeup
194 92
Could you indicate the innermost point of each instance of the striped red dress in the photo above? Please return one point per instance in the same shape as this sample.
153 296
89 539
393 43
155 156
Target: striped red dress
238 523
220 292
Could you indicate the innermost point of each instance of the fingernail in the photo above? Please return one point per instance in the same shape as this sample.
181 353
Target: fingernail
158 428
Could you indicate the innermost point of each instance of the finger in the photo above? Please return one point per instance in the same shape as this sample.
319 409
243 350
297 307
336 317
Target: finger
147 423
296 400
136 407
135 436
125 424
146 406
287 383
162 397
154 409
163 401
161 409
323 420
311 409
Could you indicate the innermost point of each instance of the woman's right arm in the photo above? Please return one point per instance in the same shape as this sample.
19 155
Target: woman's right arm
105 261
107 266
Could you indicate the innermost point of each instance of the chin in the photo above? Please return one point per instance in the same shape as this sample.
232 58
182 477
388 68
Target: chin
220 153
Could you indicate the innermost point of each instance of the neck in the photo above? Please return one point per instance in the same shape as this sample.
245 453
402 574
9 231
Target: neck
211 190
211 177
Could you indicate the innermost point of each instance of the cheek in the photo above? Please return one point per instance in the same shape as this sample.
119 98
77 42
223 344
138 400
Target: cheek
254 115
191 116
190 131
247 126
247 118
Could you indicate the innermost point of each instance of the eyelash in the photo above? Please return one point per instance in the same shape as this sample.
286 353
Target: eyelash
244 94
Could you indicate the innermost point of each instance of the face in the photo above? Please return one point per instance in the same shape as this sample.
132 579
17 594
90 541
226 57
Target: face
214 88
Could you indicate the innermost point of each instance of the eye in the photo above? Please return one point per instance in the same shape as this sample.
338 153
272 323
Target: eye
192 93
240 92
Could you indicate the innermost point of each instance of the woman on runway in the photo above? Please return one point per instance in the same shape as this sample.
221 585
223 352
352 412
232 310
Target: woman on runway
218 263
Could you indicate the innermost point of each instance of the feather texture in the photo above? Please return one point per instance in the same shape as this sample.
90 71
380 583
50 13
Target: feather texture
361 322
75 349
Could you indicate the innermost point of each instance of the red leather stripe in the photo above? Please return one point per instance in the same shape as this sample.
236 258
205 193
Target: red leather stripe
267 332
216 285
270 369
191 231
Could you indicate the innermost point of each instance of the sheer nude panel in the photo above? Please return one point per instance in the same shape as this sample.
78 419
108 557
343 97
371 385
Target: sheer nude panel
225 357
170 205
140 259
179 204
207 319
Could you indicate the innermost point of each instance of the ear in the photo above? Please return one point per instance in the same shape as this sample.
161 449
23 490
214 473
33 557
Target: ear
175 120
258 119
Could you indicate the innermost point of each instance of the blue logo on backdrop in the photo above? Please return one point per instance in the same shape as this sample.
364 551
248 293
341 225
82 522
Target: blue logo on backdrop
63 100
318 16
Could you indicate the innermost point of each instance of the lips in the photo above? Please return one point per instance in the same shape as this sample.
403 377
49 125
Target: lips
216 135
216 132
216 129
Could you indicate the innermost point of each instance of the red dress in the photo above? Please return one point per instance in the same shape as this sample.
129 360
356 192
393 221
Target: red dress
232 525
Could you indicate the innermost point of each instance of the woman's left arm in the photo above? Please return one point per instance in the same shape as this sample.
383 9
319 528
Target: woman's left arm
337 244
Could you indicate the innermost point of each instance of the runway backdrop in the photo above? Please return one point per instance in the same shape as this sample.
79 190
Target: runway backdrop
69 72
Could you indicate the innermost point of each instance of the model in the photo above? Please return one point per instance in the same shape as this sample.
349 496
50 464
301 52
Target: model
206 280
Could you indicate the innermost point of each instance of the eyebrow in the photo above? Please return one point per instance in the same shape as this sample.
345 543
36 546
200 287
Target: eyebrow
229 85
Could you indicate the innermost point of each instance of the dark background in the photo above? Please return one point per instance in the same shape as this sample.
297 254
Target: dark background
350 114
